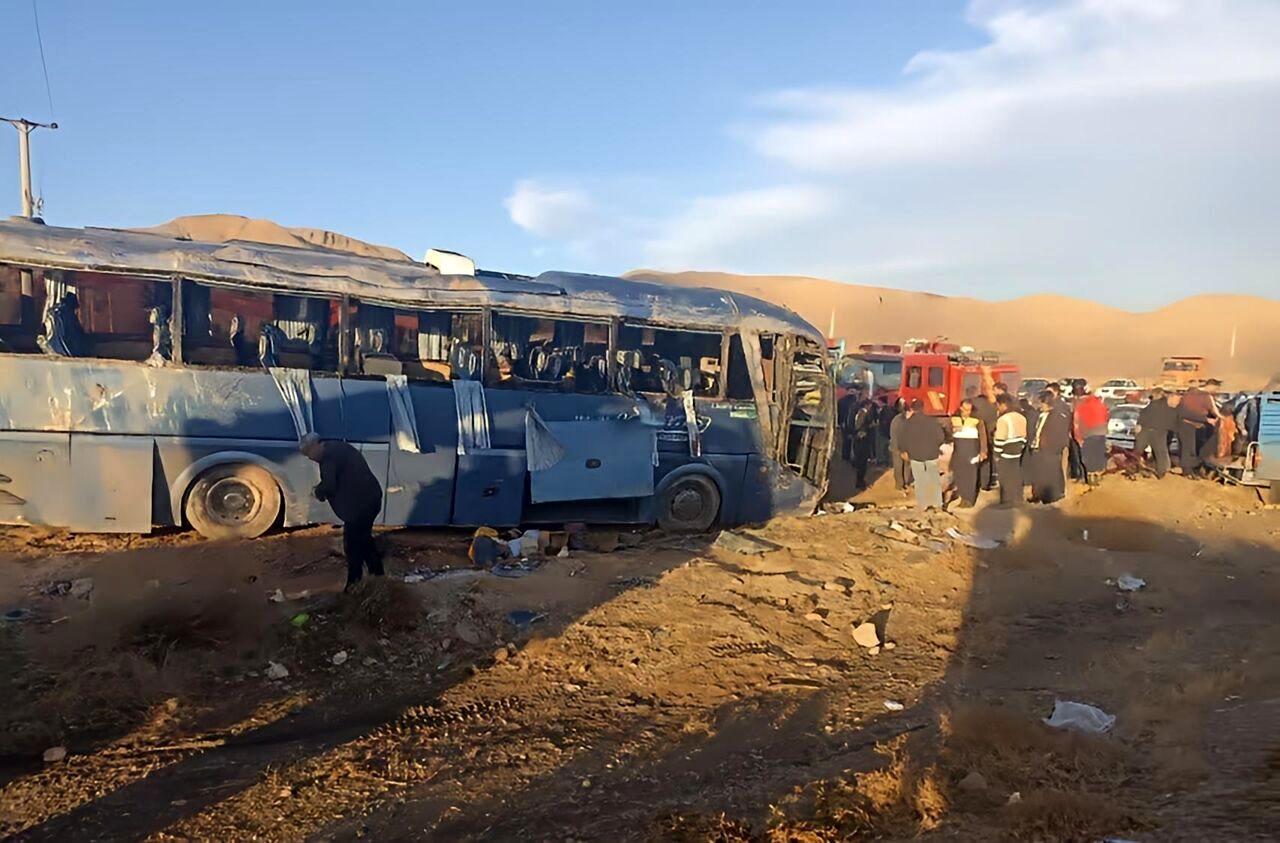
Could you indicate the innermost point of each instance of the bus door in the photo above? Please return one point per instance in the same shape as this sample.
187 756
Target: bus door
367 423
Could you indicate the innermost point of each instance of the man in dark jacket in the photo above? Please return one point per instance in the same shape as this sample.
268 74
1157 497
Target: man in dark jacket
921 441
1197 415
1049 439
985 411
355 496
1155 422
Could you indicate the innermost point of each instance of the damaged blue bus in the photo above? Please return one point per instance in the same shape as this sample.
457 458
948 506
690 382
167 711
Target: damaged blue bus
149 381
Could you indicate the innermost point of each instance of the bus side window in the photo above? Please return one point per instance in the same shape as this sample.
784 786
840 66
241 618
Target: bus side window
423 345
935 376
21 305
913 377
96 314
241 327
668 361
571 355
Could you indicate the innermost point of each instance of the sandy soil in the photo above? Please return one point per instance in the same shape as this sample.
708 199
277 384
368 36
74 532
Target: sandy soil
674 690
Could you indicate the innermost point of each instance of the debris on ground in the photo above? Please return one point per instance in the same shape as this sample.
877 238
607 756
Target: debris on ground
866 635
972 540
1126 582
275 670
340 657
522 619
737 541
54 754
1080 717
894 705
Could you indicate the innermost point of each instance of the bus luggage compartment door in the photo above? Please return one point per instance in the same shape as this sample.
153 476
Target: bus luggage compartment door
34 479
602 459
111 489
490 488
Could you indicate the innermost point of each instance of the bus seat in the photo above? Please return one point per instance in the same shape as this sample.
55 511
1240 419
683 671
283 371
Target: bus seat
463 363
381 364
417 370
64 335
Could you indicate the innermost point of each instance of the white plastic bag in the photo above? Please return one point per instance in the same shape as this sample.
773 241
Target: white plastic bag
1079 717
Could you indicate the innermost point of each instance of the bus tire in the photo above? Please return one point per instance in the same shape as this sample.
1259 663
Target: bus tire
235 501
689 504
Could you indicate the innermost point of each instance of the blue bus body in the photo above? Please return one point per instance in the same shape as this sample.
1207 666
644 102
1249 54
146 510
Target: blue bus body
118 445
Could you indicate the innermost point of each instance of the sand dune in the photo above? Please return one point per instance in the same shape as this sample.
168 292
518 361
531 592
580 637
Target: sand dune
1050 335
220 228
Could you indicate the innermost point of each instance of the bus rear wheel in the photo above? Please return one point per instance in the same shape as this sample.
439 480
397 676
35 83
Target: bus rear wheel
233 502
691 504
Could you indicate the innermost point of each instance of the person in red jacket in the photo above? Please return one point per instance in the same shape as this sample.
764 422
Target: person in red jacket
1090 430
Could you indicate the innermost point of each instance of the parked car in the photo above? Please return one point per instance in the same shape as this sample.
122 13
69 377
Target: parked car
1120 428
1124 419
1119 390
1031 387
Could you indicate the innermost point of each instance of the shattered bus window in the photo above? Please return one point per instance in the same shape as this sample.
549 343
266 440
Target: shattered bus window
93 314
423 345
229 326
22 300
671 362
533 350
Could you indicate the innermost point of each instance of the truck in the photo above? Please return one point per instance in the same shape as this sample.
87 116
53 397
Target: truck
941 373
937 372
1180 373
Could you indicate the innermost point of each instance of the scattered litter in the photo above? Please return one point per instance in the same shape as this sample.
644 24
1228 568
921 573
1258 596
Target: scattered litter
340 657
275 670
414 578
865 635
819 513
847 507
972 540
894 705
276 596
530 543
1080 717
82 587
524 618
514 570
57 588
1126 582
55 753
564 552
300 620
1014 798
17 615
745 543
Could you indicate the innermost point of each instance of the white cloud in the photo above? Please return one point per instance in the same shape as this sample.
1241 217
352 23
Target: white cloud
550 211
708 227
1118 149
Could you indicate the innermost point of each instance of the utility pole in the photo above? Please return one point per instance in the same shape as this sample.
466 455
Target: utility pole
24 128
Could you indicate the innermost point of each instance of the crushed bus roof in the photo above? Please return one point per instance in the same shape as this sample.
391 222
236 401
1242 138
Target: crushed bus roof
323 271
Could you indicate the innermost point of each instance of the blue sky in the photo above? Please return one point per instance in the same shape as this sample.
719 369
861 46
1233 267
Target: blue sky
992 147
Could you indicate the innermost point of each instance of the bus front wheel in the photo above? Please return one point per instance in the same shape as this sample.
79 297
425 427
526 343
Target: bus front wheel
233 502
690 504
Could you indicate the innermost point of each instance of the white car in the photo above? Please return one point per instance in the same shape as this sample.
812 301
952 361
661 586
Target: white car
1117 390
1124 419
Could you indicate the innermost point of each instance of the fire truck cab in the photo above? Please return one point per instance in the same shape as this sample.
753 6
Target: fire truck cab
940 374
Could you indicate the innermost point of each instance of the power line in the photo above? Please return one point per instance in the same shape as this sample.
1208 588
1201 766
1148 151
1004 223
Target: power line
48 90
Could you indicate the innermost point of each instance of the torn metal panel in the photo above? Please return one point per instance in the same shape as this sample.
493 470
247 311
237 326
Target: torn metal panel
602 459
473 416
35 476
405 282
295 391
111 492
404 422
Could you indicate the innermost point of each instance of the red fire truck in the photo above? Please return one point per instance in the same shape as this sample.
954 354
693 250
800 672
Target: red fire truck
936 372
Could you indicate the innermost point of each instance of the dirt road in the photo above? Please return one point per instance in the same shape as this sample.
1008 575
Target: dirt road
673 689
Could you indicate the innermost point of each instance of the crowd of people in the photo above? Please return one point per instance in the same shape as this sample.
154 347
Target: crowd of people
1026 447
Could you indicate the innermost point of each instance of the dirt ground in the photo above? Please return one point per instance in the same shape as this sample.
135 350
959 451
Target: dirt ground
669 688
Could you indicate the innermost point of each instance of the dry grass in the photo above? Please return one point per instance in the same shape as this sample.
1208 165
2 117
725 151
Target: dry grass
1067 784
383 604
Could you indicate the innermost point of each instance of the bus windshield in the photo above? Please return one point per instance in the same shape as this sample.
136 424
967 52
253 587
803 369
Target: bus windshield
884 374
